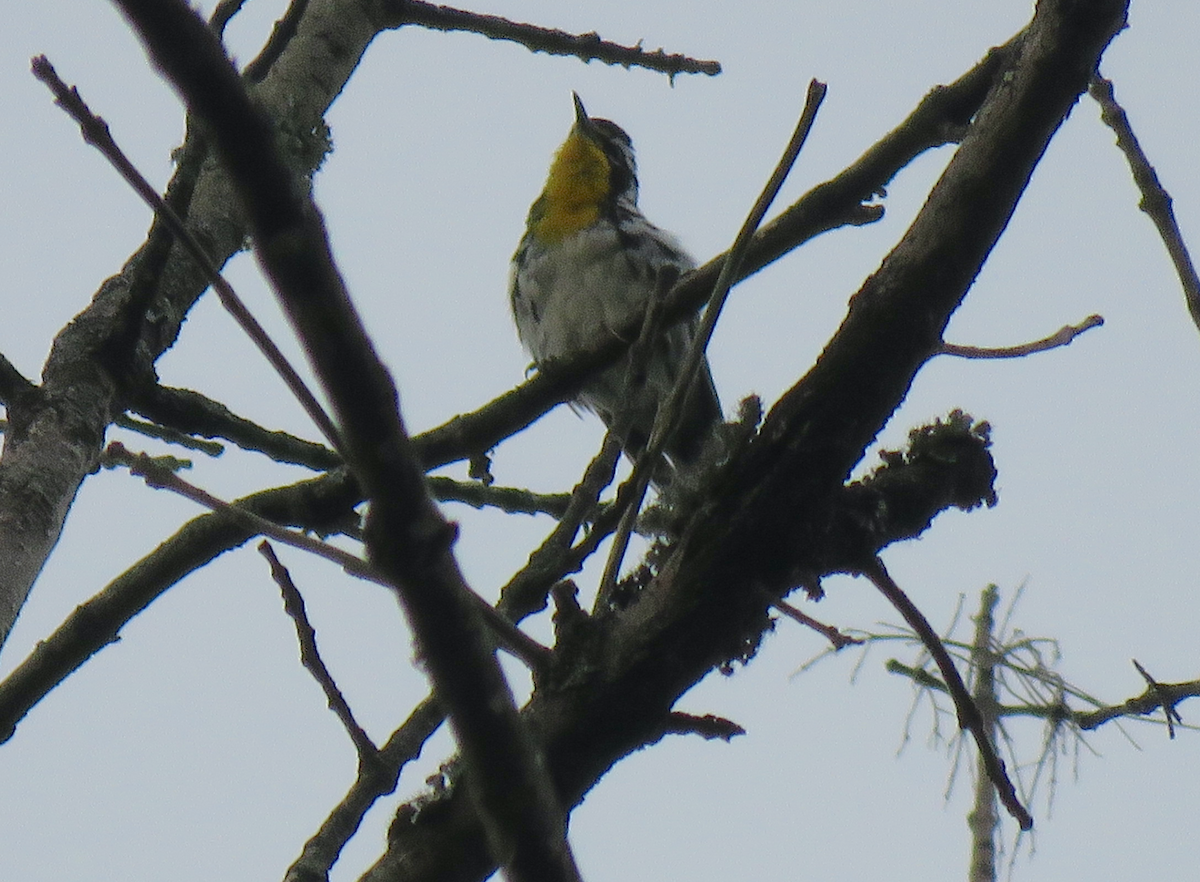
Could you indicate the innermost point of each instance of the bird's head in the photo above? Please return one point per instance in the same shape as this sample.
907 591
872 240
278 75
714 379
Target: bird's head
591 173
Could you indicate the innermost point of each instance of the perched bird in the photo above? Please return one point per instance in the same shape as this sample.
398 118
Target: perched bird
586 270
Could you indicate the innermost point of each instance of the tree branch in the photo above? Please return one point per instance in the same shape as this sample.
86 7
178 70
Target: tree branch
1156 201
1064 336
557 556
587 47
970 717
1159 696
1153 699
837 640
321 851
407 540
310 658
192 413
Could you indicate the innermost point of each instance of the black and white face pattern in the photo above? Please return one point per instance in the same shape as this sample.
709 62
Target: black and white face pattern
617 146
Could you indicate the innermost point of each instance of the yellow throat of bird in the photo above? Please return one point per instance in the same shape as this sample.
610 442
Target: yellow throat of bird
578 182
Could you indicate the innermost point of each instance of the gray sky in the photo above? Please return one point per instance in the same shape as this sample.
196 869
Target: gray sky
196 747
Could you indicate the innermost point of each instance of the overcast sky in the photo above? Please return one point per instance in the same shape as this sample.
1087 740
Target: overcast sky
197 748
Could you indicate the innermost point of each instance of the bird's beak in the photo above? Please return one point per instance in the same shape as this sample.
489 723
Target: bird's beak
581 117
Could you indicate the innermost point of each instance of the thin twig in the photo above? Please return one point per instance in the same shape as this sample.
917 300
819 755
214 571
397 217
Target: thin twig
168 434
192 413
223 14
310 657
671 409
1064 336
158 476
512 500
1156 202
969 717
281 35
829 632
554 42
95 132
628 501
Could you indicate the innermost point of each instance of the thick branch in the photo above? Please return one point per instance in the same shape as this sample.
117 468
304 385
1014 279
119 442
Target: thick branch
617 680
407 539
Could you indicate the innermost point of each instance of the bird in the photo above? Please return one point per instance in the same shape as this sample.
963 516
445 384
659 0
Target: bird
587 268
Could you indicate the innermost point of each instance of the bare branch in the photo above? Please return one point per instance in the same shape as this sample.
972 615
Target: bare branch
321 851
969 716
836 638
1161 695
1147 703
158 475
171 436
1062 337
983 819
223 13
707 726
310 657
192 413
512 500
557 557
1156 202
283 32
587 47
